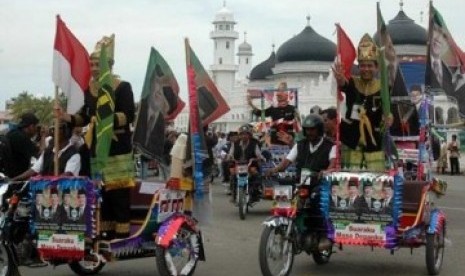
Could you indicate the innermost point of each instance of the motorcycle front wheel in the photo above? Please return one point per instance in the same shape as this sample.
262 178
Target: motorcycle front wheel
243 204
181 256
6 263
90 265
276 252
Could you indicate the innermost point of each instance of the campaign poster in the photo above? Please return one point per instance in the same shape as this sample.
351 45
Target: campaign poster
62 215
363 198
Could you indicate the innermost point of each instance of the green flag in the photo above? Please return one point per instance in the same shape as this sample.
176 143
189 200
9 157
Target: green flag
386 44
105 114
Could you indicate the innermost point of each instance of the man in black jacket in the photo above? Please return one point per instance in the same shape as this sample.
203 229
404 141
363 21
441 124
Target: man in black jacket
21 146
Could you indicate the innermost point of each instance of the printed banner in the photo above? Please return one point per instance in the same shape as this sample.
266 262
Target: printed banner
65 246
361 198
62 215
359 233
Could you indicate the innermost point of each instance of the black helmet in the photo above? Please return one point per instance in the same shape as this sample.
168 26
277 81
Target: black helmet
245 128
314 121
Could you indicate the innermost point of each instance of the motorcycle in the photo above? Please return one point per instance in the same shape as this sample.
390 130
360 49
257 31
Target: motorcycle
293 228
166 231
244 192
16 242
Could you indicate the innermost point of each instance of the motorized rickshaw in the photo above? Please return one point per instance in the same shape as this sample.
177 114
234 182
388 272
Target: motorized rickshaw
390 209
57 220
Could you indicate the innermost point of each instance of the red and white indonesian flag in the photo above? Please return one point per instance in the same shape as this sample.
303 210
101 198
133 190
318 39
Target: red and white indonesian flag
71 66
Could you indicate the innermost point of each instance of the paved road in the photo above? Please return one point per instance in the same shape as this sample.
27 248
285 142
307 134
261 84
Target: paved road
232 247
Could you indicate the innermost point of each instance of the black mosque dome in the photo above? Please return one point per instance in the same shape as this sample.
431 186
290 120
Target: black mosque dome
307 46
403 30
263 70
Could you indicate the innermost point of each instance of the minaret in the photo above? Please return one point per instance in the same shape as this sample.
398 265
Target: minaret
245 59
223 68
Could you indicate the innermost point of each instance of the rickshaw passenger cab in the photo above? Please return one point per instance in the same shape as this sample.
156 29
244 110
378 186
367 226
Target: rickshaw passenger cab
413 202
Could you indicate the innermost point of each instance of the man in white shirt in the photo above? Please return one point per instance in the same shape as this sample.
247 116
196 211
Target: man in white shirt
68 158
313 154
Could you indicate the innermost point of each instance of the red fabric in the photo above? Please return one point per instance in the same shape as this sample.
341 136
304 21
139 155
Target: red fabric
50 254
345 50
171 232
74 52
193 102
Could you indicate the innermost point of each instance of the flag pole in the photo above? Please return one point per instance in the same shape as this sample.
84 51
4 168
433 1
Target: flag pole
338 107
55 138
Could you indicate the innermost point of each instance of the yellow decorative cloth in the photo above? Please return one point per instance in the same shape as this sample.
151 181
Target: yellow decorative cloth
365 123
119 172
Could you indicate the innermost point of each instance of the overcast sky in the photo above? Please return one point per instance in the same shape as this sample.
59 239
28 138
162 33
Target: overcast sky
27 30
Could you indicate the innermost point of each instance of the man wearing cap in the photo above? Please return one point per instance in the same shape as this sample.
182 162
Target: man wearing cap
69 160
118 177
21 146
360 127
285 117
247 149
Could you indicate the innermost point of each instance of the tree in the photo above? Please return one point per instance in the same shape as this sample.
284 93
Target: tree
42 107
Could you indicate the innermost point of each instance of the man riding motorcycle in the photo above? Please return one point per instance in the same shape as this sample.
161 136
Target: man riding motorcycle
247 149
316 153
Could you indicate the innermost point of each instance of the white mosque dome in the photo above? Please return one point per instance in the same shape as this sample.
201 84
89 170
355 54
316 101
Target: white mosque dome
224 15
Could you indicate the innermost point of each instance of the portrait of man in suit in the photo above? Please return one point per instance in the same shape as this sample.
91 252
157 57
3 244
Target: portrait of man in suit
354 195
82 204
445 67
39 203
55 207
407 114
335 199
66 206
154 108
367 201
388 193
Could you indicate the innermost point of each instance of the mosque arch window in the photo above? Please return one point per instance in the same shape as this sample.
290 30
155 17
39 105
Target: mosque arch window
452 115
242 116
227 45
228 27
439 115
220 61
221 27
233 116
246 60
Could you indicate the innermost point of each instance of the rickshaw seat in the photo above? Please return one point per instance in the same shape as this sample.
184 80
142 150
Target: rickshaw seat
138 200
412 195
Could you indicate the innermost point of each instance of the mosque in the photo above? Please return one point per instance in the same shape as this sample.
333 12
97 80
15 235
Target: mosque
304 62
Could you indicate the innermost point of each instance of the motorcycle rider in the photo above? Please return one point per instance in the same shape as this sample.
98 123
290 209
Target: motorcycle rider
316 153
247 149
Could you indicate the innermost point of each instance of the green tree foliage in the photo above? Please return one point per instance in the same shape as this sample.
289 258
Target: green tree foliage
42 107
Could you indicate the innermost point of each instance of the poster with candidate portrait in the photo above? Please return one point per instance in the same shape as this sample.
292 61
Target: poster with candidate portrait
364 207
62 215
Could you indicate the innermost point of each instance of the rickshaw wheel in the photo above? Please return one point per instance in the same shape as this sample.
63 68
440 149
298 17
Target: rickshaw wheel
84 267
181 256
435 245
